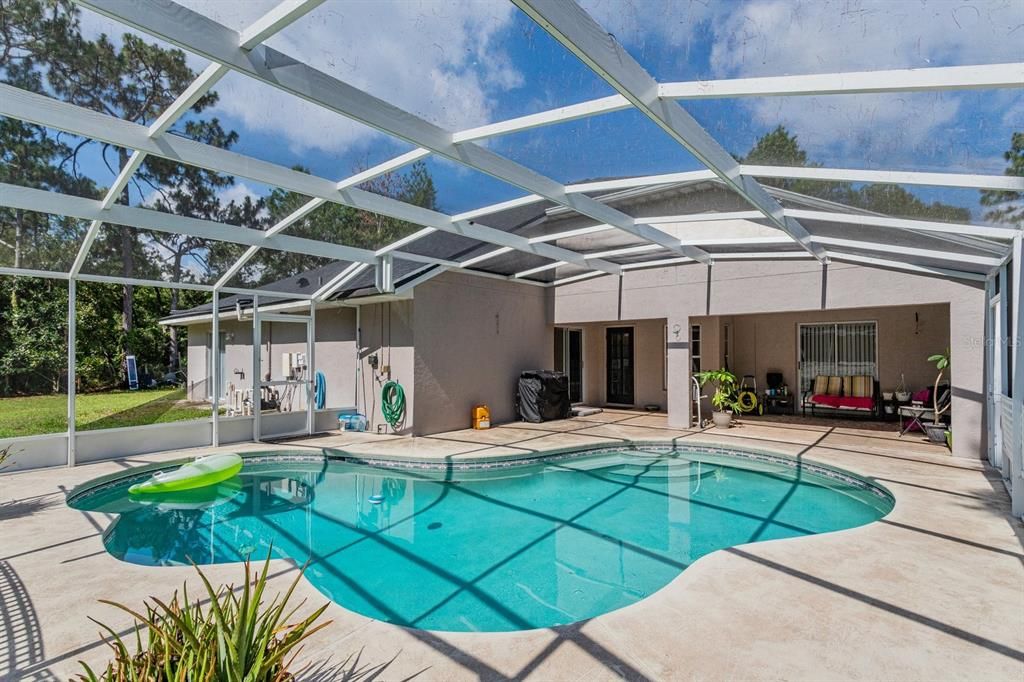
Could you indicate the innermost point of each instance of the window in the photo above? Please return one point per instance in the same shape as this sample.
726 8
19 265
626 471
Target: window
695 349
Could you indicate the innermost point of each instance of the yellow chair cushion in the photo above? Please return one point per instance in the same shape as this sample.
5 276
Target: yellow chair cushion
835 386
861 386
820 385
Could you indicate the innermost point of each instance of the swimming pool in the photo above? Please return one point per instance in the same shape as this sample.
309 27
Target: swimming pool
512 546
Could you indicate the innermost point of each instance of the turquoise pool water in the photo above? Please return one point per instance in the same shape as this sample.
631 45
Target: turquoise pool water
510 548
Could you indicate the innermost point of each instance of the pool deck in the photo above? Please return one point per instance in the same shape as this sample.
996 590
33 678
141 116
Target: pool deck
934 591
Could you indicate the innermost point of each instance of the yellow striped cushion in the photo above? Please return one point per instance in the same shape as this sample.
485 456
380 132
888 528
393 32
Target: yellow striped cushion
835 386
820 385
860 386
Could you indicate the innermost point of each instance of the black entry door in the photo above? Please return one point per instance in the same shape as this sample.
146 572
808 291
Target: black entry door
620 365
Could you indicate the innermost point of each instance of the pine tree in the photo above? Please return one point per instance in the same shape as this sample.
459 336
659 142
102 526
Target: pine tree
1008 206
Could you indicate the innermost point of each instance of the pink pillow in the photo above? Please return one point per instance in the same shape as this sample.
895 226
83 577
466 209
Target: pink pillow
921 395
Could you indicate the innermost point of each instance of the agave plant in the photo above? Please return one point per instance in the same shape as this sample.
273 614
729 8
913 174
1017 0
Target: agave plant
5 457
234 637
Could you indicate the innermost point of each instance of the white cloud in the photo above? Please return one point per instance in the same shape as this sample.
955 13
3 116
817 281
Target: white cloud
442 61
779 37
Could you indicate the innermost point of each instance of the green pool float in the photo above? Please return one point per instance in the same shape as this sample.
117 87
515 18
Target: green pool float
203 472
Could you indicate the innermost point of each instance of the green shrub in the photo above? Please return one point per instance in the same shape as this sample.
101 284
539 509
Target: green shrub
724 398
234 637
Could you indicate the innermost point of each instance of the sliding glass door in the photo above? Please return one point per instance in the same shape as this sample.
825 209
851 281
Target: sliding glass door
837 349
569 359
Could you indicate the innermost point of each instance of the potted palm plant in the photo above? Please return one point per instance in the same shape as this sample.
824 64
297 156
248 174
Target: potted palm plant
937 430
724 398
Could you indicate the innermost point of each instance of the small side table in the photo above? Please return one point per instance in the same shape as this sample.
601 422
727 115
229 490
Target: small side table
894 405
778 404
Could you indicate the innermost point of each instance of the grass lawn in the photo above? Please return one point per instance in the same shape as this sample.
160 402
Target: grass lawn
47 414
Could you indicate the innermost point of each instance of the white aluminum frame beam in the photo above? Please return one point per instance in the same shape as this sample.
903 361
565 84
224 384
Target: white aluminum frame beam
114 279
991 232
888 177
70 118
201 35
313 204
270 23
985 261
975 77
570 25
906 267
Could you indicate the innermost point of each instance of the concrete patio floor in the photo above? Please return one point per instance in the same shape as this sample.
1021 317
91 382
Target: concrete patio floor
934 591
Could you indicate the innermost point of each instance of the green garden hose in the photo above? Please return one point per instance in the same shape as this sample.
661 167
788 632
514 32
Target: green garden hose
392 404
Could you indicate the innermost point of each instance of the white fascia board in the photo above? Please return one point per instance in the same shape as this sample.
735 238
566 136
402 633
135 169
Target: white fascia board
570 25
744 241
980 76
706 217
764 255
539 268
907 267
909 251
905 224
625 250
45 111
588 275
199 34
969 181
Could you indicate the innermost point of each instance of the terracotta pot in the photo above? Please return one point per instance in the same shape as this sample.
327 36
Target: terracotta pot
722 420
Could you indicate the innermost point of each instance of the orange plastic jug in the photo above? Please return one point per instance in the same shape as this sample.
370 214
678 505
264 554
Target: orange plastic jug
481 417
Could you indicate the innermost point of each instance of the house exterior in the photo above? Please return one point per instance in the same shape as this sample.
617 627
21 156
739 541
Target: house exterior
458 337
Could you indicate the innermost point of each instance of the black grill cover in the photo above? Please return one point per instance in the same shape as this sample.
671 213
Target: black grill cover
542 395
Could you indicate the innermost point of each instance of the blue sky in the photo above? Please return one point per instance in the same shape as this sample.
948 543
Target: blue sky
461 64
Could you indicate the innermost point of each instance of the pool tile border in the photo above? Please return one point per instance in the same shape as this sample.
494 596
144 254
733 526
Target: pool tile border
481 464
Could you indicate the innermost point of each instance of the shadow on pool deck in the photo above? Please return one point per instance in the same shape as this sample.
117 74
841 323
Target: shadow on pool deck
960 524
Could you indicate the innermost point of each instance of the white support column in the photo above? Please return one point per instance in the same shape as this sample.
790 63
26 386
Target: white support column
678 358
71 367
1017 470
311 364
257 374
216 369
989 348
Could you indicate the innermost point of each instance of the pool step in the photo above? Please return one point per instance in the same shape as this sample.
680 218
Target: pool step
675 469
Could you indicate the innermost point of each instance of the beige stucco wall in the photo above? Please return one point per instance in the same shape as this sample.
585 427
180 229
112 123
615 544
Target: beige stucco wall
473 338
386 330
335 354
734 288
648 356
767 342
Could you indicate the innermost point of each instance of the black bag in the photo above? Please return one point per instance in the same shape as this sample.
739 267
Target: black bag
542 395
